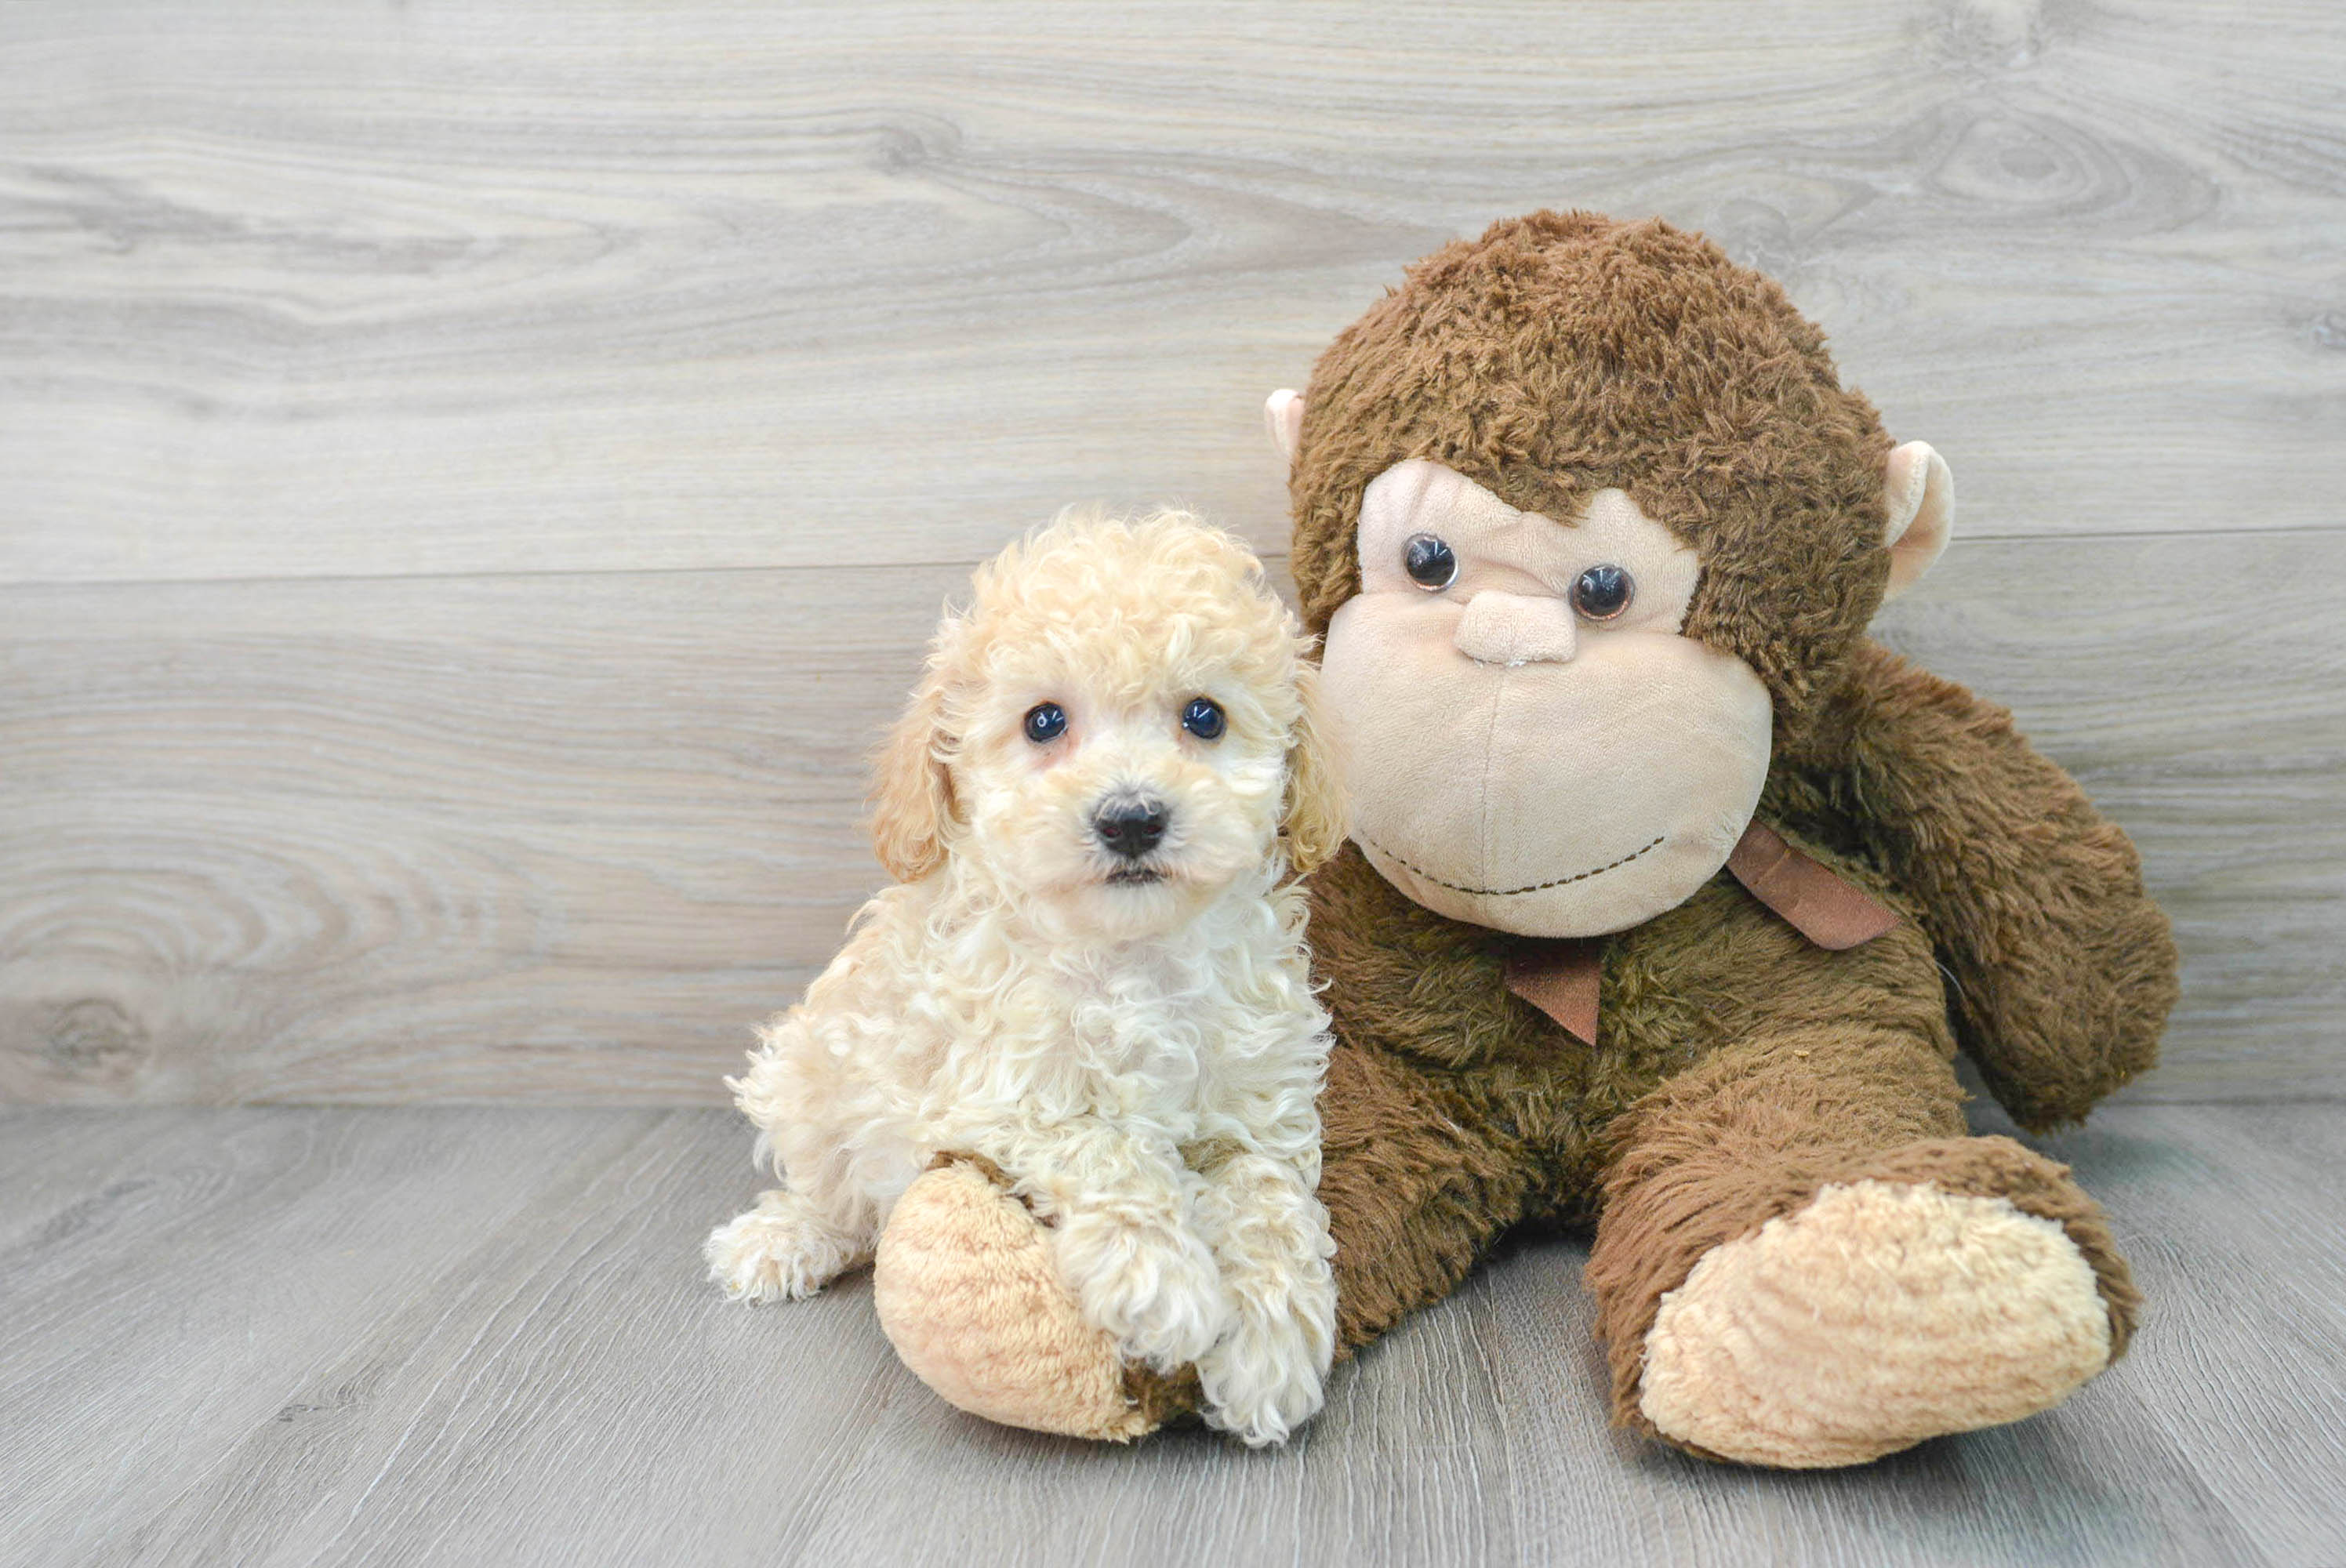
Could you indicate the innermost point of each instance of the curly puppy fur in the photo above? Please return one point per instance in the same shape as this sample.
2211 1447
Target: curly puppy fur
1136 1043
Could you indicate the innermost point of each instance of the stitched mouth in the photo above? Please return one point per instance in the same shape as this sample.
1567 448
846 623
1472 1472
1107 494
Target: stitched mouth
1509 893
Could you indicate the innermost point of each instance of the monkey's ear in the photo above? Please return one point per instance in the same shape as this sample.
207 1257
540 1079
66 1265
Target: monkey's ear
1920 493
1282 416
911 794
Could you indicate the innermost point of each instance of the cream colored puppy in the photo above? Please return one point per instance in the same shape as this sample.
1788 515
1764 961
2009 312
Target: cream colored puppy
1092 972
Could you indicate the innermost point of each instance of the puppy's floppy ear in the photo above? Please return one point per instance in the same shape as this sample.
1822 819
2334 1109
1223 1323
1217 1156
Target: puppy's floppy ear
1315 821
911 792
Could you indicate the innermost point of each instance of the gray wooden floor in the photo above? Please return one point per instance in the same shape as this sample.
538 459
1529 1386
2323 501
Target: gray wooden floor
387 1335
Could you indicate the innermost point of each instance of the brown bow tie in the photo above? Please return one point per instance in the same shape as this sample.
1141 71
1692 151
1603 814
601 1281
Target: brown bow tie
1563 977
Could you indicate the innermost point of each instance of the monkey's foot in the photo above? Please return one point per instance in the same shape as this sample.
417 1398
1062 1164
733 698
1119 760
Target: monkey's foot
968 1294
1879 1314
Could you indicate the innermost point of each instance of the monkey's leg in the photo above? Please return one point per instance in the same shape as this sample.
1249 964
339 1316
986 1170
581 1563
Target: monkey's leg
1803 1261
1416 1185
1418 1182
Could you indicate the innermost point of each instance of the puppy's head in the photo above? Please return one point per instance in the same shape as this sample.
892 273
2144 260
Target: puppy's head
1119 724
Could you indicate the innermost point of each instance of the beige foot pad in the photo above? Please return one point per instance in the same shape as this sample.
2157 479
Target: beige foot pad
967 1294
1879 1315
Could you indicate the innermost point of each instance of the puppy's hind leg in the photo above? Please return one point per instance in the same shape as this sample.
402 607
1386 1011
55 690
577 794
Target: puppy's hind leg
785 1248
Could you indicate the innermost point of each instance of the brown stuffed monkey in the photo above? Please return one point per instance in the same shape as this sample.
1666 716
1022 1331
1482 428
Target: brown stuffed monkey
1671 897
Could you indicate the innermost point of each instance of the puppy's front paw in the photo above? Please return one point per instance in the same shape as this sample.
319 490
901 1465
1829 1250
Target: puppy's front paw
1155 1288
776 1251
1264 1379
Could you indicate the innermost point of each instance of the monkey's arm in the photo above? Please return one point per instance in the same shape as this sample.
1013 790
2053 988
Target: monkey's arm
2063 969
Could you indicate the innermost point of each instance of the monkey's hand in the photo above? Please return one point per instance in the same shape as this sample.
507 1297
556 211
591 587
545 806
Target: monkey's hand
969 1295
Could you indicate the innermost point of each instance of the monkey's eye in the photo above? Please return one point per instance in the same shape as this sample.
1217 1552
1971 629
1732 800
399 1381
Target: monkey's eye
1046 722
1602 593
1429 562
1203 718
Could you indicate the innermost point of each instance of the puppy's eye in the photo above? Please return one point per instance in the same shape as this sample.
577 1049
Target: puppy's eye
1430 563
1046 722
1203 718
1602 593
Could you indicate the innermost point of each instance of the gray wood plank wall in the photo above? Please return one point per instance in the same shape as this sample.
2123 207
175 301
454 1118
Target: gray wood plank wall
474 478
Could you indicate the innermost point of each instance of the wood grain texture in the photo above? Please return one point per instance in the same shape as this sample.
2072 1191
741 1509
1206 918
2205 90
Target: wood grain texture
565 838
280 1335
354 288
477 476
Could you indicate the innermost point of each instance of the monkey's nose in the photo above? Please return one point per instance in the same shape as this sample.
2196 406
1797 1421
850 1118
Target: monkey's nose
1516 629
1130 827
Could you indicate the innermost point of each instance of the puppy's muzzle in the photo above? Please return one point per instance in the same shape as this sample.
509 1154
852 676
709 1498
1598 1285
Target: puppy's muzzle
1129 827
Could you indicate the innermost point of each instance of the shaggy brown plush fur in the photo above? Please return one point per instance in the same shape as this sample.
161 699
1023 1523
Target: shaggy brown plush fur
2063 969
1739 1068
1564 352
1754 1133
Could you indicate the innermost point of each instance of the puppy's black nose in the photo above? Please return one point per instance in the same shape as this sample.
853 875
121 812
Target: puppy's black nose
1131 828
